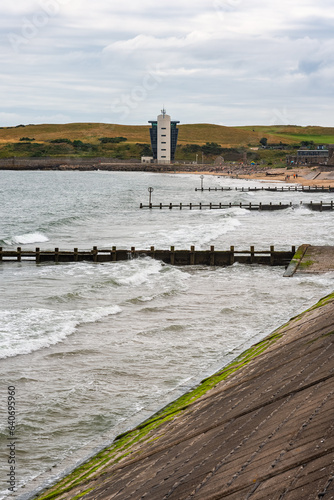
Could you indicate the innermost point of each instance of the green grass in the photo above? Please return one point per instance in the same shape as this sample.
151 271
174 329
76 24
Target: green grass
199 134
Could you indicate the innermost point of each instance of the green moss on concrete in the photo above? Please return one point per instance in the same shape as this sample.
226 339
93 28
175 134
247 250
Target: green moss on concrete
82 494
306 263
322 302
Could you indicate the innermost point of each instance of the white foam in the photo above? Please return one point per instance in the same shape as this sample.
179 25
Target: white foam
25 331
28 238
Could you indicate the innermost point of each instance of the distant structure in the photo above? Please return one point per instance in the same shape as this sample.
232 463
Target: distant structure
322 156
163 134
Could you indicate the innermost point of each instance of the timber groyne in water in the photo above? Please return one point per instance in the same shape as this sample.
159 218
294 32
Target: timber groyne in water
257 206
173 256
275 189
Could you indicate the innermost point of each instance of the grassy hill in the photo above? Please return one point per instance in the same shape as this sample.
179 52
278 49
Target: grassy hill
82 139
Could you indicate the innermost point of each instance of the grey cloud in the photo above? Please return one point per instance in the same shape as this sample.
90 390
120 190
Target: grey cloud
224 61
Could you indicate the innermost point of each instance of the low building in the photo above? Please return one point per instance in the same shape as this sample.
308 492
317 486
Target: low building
323 155
147 159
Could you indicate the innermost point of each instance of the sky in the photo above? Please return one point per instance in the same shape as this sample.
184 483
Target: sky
228 62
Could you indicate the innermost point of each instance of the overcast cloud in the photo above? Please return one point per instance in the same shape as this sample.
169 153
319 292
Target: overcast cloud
230 62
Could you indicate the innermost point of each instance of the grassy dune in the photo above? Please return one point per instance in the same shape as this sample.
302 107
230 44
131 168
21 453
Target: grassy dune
86 132
138 140
293 134
198 133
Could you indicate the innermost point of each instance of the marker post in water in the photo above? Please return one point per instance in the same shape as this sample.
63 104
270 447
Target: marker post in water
150 190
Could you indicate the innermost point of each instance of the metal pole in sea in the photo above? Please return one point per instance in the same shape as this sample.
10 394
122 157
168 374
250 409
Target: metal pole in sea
150 190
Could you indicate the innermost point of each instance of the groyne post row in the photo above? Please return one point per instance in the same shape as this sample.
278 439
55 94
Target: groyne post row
318 207
276 189
172 256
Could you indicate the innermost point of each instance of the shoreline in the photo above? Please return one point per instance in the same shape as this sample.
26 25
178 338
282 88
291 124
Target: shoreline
304 176
301 176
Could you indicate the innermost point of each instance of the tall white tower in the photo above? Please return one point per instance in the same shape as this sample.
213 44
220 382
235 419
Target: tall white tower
163 133
163 138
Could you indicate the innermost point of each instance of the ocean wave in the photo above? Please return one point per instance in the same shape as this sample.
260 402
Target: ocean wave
200 232
26 239
29 330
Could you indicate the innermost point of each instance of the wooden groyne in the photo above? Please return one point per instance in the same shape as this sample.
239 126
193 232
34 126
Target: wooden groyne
172 256
276 189
318 206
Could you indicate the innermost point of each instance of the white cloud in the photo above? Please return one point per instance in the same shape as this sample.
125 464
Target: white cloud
210 60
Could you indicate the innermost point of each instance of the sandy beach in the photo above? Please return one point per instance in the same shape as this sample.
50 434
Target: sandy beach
302 176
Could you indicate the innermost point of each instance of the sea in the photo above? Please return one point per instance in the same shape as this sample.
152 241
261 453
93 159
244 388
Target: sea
89 350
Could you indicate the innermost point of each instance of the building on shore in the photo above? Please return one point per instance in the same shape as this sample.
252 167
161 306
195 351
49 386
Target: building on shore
323 155
163 133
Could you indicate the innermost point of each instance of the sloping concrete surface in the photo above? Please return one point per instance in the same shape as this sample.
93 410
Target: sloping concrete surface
316 259
266 432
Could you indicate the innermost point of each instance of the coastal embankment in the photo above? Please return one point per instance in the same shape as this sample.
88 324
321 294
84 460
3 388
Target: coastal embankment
260 428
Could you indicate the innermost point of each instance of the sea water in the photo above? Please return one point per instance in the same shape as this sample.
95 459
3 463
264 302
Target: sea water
93 349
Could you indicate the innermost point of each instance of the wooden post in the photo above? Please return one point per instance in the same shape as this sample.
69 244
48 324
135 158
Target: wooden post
56 254
293 249
180 206
114 254
18 254
231 255
75 255
260 205
210 205
152 253
37 253
272 256
200 206
190 205
141 205
0 253
170 206
160 206
95 254
172 255
212 255
192 255
251 254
